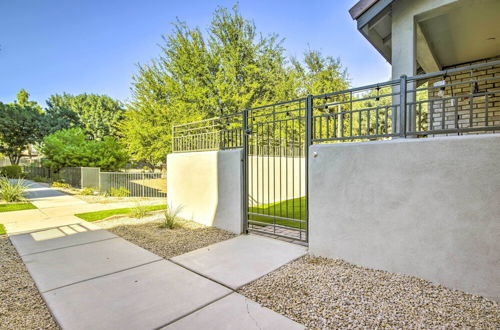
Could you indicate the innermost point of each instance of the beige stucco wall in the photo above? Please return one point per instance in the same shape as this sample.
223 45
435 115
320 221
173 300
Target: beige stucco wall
274 179
207 187
423 207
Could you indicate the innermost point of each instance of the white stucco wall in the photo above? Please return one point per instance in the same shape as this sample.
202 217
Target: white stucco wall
207 186
423 207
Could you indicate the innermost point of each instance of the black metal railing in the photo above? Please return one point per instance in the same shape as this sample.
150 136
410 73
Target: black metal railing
459 101
357 114
210 134
463 100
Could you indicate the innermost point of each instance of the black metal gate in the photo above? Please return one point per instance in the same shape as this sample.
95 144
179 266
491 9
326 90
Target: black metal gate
275 165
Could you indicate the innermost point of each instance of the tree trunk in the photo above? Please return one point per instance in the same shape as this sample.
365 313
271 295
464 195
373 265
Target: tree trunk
14 159
151 166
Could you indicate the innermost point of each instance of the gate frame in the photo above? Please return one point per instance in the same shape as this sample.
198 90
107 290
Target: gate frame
244 178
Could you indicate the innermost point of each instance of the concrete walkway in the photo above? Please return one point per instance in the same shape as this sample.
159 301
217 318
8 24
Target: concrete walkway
93 279
54 209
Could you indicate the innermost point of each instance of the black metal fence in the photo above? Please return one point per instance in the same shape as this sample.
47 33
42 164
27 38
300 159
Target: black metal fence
210 134
136 184
69 175
275 149
457 101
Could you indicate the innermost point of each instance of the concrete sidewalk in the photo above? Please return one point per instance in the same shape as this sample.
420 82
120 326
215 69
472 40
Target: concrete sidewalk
93 279
54 208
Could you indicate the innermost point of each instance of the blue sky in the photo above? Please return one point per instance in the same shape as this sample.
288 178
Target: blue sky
75 46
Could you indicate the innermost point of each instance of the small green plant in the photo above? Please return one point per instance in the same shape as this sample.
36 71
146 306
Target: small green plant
120 192
11 171
86 192
57 184
139 211
12 191
170 219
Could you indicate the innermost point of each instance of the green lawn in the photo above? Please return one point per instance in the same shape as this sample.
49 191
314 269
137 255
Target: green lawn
2 229
16 207
292 208
99 215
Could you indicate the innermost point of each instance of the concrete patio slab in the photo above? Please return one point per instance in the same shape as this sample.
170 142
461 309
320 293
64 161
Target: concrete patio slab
145 297
240 260
234 312
61 267
57 238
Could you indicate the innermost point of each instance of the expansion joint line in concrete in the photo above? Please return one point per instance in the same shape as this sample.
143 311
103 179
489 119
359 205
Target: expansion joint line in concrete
194 311
202 275
69 246
103 275
203 306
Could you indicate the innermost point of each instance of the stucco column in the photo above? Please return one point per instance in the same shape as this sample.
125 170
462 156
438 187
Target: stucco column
404 54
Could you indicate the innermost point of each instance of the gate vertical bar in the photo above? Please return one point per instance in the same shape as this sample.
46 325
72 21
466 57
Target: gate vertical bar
308 142
244 167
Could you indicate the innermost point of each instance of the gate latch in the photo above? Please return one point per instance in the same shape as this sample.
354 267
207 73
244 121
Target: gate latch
248 131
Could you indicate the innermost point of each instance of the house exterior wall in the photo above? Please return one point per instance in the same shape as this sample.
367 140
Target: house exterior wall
403 36
482 106
206 186
423 207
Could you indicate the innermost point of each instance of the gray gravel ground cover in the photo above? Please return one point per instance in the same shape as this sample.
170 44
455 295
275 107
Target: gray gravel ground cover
324 293
21 306
166 243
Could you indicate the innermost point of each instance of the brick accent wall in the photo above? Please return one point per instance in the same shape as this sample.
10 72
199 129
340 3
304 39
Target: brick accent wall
466 104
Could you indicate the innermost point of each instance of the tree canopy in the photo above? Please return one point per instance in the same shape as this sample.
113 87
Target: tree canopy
228 68
70 147
20 124
98 115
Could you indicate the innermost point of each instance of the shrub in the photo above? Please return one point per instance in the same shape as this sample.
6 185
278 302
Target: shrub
61 185
139 212
12 191
170 217
11 171
120 192
71 148
86 191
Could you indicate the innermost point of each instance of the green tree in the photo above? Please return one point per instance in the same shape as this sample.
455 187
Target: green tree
58 116
231 68
20 124
318 74
98 115
22 97
70 147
